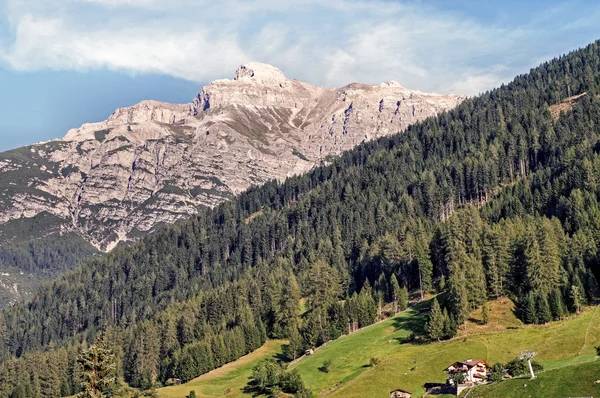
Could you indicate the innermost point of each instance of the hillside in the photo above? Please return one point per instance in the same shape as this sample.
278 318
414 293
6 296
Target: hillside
409 366
565 348
574 380
229 380
493 199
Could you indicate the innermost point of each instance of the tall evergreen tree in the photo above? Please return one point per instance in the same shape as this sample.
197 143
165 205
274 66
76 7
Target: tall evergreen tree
97 369
435 324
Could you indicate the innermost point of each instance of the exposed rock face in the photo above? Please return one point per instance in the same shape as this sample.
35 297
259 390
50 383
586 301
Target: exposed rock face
154 163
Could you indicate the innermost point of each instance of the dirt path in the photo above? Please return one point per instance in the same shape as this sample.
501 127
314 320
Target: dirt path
587 330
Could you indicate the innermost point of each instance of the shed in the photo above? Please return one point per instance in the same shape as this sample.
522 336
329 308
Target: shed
400 394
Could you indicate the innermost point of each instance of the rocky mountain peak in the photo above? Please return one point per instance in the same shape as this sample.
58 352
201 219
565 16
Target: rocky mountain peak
257 72
154 163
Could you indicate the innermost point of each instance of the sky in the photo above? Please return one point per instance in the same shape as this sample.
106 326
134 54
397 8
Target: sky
67 62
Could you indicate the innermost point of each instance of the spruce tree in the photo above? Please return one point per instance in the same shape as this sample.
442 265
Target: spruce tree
577 298
529 309
395 288
449 325
458 297
403 299
543 313
435 324
97 367
294 345
556 304
485 313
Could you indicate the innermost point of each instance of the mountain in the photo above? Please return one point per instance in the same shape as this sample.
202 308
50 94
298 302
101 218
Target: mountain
155 163
496 198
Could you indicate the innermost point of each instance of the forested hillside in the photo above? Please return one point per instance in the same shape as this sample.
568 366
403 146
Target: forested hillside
495 198
26 264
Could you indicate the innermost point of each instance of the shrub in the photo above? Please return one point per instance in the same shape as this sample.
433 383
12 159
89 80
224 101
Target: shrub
326 367
374 361
304 393
458 378
518 367
497 372
291 382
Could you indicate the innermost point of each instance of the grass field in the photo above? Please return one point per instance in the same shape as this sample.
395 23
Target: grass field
232 377
409 366
566 349
570 381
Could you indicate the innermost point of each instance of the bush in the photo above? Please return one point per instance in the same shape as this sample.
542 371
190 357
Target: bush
291 382
192 394
304 393
598 350
326 367
458 378
497 372
374 361
271 379
518 367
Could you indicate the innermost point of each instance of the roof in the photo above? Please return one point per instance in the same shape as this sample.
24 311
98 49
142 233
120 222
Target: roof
400 390
469 363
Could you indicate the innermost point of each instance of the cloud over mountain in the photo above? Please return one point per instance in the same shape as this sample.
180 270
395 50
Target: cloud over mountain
420 45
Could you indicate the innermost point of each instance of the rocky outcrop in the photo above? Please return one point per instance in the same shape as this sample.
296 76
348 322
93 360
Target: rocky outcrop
155 163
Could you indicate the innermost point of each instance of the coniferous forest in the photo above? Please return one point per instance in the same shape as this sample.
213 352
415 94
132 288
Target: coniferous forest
496 198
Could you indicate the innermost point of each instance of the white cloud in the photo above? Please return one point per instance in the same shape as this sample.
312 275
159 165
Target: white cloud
326 43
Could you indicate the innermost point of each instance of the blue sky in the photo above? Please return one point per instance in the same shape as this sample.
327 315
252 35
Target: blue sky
66 62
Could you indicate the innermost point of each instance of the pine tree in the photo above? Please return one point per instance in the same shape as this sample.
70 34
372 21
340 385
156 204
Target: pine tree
458 298
556 304
395 288
288 307
550 253
496 260
533 263
485 313
403 299
97 366
577 298
543 313
435 324
425 267
294 345
529 309
449 325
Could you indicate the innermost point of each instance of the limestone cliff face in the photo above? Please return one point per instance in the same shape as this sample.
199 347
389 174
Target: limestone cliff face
155 163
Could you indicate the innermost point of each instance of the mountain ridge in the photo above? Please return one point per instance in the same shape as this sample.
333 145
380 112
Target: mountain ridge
154 163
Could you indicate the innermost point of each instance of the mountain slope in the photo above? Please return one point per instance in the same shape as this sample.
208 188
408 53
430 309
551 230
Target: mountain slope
494 198
155 163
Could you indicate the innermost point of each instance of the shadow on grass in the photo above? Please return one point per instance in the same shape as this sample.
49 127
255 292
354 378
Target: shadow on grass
281 357
252 389
412 321
476 321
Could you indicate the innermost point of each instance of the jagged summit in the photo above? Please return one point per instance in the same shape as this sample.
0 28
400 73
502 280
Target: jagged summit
260 73
154 163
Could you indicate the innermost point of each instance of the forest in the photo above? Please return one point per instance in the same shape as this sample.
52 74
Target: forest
495 198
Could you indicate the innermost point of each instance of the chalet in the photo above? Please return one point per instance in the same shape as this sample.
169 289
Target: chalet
476 371
400 394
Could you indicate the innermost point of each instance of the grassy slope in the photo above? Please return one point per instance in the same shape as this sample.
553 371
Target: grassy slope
576 380
232 376
567 347
409 366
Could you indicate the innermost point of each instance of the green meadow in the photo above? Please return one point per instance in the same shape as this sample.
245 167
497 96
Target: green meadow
565 348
